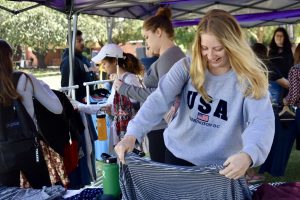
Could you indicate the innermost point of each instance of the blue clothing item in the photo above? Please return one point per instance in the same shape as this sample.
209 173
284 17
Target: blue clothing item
142 179
285 134
298 129
46 193
80 176
147 62
88 194
275 92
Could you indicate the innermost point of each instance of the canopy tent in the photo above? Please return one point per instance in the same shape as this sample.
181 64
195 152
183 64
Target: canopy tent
249 13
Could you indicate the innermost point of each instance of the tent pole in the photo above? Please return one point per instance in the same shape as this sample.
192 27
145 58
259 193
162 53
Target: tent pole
70 42
75 19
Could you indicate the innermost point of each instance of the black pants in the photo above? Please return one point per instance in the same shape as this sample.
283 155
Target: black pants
157 145
298 128
173 160
36 173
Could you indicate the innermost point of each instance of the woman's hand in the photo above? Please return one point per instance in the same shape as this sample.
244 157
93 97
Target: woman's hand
284 101
125 145
107 109
236 165
117 84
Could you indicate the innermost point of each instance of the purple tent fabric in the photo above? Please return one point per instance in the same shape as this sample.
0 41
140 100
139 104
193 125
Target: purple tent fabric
249 13
254 17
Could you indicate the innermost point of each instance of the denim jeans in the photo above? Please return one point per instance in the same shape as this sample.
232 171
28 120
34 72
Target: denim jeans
276 92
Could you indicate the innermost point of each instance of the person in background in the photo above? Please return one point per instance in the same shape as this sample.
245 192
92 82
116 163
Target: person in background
126 67
220 89
293 97
261 52
150 58
82 71
281 57
274 74
28 86
159 35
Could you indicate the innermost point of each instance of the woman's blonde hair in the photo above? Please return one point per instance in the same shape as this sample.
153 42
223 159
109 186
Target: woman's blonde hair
251 72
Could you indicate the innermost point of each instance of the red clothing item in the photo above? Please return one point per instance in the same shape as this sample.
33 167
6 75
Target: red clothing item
71 156
288 191
124 112
293 98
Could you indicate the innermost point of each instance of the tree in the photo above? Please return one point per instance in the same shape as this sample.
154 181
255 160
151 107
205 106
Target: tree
40 28
93 28
45 29
184 37
110 25
126 30
260 34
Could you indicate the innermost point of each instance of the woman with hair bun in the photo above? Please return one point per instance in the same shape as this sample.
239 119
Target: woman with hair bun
159 35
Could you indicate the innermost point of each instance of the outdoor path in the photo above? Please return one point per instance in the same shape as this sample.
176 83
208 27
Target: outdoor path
52 81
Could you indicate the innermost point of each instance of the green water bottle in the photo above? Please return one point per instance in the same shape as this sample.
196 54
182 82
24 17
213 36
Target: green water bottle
110 173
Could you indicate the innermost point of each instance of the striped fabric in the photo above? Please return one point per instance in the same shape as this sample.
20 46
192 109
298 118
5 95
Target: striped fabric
142 179
254 187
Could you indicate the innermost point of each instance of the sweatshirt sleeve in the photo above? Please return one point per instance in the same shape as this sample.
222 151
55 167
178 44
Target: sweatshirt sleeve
46 96
134 92
260 128
132 79
158 103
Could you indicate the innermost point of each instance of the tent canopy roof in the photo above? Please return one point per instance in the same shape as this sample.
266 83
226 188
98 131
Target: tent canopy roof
249 13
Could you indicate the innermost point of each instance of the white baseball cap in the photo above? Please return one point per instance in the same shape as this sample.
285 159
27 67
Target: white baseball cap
108 50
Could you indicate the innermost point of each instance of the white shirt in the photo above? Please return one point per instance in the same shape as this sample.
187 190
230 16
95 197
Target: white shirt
40 91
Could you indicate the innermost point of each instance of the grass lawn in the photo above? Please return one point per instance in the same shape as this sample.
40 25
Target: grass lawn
292 173
41 72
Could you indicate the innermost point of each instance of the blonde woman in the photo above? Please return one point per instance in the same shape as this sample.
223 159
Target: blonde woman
218 120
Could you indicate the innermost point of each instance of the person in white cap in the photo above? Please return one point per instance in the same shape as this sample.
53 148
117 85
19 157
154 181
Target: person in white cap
127 67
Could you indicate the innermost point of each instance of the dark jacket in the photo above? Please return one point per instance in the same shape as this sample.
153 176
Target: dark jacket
56 129
80 73
282 61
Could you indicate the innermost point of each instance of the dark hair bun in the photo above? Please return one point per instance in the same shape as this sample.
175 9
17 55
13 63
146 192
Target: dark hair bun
164 12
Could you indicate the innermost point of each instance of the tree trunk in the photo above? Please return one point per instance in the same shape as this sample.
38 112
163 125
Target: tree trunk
110 24
41 60
260 34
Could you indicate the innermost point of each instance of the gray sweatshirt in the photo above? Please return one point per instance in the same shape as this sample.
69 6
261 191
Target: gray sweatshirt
159 68
208 133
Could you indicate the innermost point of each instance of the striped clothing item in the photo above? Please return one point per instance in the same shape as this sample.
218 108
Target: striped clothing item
254 187
293 97
143 179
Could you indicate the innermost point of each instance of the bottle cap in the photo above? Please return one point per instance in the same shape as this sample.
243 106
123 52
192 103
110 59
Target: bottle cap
100 114
108 158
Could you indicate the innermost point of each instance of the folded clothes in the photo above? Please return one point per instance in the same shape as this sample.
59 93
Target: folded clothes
46 193
143 179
